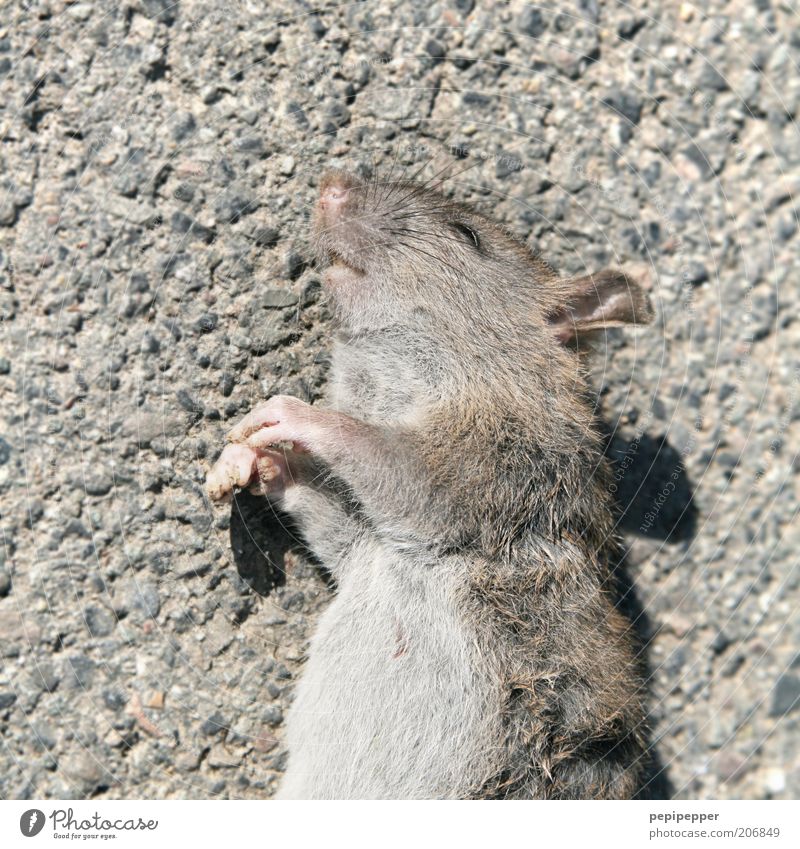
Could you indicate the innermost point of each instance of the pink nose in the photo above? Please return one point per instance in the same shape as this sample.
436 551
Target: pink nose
333 196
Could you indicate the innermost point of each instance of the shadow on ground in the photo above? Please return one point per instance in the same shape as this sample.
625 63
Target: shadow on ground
260 539
654 494
655 499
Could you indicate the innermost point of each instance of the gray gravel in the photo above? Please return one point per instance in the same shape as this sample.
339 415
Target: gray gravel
157 166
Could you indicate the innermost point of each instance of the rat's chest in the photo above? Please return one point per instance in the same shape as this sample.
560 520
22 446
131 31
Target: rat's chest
383 378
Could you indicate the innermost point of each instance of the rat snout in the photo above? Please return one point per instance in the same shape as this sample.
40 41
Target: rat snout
332 198
335 190
338 226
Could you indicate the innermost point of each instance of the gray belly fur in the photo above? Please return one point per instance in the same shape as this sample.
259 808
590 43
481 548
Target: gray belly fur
392 702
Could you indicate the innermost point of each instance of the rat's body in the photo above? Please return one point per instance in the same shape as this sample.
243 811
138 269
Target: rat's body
454 486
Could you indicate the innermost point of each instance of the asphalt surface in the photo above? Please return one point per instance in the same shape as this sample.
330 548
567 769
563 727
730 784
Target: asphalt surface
157 166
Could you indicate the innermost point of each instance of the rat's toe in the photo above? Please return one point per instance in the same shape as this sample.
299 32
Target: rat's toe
235 467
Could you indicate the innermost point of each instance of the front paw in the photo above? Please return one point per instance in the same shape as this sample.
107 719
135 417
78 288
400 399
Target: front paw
239 466
282 419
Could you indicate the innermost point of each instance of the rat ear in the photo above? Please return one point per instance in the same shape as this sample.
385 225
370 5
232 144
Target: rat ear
609 298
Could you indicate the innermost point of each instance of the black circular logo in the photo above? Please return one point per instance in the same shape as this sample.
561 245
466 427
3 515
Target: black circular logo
31 822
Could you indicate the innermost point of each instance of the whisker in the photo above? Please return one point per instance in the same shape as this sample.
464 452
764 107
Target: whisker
388 192
427 182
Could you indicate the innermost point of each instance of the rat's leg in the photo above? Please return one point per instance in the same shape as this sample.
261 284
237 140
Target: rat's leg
284 419
280 419
296 483
378 465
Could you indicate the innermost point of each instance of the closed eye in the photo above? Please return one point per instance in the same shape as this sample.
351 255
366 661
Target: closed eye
468 233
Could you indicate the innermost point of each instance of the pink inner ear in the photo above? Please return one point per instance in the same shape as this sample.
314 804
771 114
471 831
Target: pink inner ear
607 299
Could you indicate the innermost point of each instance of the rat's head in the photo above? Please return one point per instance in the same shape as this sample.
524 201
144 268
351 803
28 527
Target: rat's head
398 249
404 246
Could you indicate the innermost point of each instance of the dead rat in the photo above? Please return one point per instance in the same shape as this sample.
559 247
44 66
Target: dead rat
455 487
